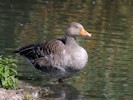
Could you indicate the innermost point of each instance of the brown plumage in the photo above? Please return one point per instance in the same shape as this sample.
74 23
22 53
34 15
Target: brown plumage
59 57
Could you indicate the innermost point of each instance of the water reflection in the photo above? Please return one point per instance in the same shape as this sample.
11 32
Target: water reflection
66 92
108 75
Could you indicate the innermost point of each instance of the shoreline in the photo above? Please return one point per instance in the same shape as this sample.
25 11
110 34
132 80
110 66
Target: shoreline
25 91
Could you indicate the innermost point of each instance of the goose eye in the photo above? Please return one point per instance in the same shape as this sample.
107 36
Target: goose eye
76 27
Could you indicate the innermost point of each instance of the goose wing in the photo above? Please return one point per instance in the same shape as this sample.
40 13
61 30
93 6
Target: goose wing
44 55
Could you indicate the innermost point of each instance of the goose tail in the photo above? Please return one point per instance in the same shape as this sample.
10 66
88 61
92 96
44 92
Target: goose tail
27 51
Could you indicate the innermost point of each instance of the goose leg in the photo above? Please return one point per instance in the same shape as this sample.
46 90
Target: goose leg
60 80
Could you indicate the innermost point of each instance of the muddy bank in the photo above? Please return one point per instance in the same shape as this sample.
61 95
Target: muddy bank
23 92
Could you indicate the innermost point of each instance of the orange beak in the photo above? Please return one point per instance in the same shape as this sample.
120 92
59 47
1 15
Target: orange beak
84 33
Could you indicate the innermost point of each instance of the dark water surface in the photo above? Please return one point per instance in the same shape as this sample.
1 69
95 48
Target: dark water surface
109 72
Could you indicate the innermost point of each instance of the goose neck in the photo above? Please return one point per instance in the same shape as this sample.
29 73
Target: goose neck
71 41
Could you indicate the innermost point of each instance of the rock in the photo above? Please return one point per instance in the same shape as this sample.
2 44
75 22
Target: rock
10 95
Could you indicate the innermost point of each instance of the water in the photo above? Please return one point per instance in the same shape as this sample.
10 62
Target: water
109 72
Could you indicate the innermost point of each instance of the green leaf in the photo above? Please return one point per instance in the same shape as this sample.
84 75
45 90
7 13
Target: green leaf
8 72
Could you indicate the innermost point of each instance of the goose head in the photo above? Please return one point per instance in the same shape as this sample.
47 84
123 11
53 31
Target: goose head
76 29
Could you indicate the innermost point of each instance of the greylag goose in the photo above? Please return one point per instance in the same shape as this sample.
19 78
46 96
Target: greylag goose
59 57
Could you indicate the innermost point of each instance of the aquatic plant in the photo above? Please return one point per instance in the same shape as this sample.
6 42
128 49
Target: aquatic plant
8 73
